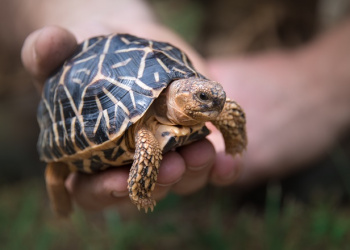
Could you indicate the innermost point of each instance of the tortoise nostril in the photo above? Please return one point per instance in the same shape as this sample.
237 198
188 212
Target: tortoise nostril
218 102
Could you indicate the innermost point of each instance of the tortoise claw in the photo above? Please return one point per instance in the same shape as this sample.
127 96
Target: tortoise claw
146 204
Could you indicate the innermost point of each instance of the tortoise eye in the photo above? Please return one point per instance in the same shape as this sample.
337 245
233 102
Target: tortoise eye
203 96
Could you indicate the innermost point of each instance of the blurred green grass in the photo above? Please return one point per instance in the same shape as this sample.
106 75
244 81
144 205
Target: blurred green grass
207 220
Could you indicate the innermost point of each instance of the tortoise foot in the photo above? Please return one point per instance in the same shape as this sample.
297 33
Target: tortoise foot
56 174
231 123
144 170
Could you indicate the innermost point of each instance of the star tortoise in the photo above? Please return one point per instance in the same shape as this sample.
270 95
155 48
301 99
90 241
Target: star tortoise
124 100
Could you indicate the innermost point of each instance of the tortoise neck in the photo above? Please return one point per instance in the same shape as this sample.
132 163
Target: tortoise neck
168 112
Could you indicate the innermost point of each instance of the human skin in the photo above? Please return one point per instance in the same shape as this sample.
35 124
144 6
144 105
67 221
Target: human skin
296 103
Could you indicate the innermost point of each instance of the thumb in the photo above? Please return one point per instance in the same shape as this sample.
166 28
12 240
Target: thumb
45 49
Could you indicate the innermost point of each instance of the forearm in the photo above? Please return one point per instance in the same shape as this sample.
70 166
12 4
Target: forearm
87 18
72 14
327 62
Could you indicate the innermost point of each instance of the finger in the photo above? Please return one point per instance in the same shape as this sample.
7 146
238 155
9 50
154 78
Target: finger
171 171
226 169
199 158
45 49
100 190
109 187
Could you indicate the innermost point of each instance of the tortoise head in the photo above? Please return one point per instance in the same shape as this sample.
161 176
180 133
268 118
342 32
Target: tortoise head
194 100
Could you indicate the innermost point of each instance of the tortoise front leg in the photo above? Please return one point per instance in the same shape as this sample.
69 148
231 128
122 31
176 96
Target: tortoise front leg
55 175
231 123
144 170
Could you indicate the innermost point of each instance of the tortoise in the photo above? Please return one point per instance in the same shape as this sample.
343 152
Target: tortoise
123 100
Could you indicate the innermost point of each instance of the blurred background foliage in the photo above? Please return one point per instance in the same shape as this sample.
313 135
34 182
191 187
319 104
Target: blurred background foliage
309 210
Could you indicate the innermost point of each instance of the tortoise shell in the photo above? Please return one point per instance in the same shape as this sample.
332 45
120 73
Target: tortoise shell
106 86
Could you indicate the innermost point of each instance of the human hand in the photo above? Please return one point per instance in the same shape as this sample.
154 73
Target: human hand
295 108
293 116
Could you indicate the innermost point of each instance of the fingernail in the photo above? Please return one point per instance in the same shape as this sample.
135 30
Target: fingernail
230 173
35 47
235 171
198 168
169 184
119 194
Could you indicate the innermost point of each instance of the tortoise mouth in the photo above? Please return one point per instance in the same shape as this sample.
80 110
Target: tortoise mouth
206 115
211 113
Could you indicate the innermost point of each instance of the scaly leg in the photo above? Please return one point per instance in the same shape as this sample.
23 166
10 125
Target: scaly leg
144 170
55 175
231 123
